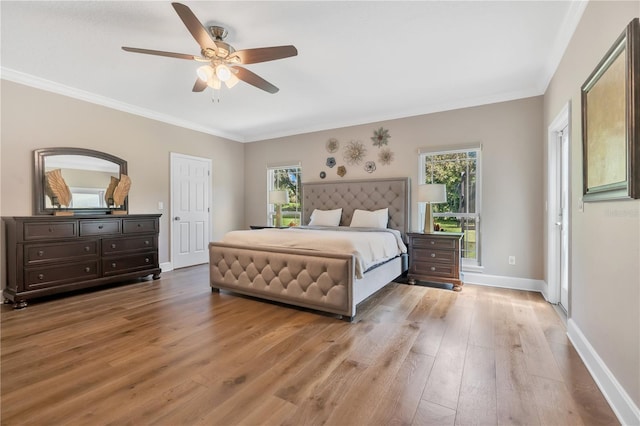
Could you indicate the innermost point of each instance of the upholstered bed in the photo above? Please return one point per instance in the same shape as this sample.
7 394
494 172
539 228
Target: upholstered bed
317 279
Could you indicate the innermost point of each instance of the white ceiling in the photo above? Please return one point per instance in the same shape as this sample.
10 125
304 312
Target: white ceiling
358 62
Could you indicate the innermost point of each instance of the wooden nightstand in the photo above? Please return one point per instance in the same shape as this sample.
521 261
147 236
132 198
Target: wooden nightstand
436 258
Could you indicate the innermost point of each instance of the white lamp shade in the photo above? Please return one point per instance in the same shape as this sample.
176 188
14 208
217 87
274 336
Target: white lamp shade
432 193
278 197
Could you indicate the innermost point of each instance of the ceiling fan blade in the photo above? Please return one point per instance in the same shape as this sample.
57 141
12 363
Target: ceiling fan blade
195 27
254 80
263 54
159 53
199 86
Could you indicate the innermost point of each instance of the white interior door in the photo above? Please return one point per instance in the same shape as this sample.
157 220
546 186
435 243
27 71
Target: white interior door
190 217
564 218
558 209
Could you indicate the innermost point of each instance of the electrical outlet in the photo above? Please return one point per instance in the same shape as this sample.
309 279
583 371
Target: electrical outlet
160 205
512 260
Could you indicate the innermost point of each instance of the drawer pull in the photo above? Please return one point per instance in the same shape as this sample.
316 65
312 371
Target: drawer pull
113 246
146 260
433 268
50 229
433 255
432 242
41 276
139 225
87 249
87 269
40 253
146 243
100 226
113 265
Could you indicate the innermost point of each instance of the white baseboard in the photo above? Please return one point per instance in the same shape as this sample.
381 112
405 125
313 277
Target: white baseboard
166 266
621 403
503 282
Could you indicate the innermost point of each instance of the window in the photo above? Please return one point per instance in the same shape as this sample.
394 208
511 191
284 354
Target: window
459 170
285 177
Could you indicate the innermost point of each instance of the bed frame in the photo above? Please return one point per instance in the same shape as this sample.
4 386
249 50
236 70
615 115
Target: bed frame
313 279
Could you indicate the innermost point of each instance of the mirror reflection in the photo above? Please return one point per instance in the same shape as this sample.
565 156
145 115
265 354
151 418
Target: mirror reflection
86 177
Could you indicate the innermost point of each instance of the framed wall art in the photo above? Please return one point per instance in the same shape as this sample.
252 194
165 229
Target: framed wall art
611 122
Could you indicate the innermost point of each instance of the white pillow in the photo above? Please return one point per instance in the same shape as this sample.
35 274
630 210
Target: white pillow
326 217
367 219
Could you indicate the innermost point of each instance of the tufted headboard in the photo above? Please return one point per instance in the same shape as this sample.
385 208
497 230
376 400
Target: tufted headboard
360 194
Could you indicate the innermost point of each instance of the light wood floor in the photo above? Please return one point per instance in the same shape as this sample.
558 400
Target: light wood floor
170 352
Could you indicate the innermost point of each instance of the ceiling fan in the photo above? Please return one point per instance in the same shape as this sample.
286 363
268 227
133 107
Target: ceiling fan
222 59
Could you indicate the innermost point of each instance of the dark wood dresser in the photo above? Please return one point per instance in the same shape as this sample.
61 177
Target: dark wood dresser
54 254
435 257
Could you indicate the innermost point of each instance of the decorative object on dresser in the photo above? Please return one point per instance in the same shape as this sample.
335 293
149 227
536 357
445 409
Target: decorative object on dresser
436 257
431 194
49 255
58 191
278 198
120 193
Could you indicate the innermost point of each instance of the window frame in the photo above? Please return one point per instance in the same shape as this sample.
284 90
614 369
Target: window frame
467 263
271 212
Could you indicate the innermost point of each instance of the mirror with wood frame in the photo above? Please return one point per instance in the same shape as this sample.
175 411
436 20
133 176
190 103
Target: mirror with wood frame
85 176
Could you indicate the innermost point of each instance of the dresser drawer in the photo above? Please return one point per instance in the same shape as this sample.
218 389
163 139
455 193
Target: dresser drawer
433 242
42 253
440 256
100 227
132 262
121 245
43 230
434 269
136 226
52 276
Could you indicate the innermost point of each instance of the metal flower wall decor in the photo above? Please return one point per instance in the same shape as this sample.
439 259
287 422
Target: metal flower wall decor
380 137
354 152
385 156
333 145
370 167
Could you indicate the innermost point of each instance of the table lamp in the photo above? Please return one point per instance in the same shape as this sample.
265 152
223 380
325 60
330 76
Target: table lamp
431 193
278 197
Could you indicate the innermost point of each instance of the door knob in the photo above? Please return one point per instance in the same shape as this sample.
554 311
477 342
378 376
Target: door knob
176 218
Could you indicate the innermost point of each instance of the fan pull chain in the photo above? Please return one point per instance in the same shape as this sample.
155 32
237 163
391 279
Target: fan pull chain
215 95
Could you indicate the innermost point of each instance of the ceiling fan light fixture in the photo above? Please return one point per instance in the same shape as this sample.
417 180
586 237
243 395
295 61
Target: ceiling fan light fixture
232 81
223 72
205 72
214 82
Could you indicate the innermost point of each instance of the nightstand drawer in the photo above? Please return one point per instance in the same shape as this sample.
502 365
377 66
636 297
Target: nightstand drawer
440 256
434 269
435 243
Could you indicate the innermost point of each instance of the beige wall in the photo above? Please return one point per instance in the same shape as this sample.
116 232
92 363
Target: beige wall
511 136
605 236
33 118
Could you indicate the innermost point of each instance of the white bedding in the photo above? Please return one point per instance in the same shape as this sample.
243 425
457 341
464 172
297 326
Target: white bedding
369 245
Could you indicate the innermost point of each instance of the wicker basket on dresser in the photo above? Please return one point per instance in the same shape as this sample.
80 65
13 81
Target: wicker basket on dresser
436 258
54 254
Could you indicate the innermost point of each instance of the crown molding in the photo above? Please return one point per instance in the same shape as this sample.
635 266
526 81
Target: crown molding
61 89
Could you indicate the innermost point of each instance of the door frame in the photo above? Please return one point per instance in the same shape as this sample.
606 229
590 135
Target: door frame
554 149
172 157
